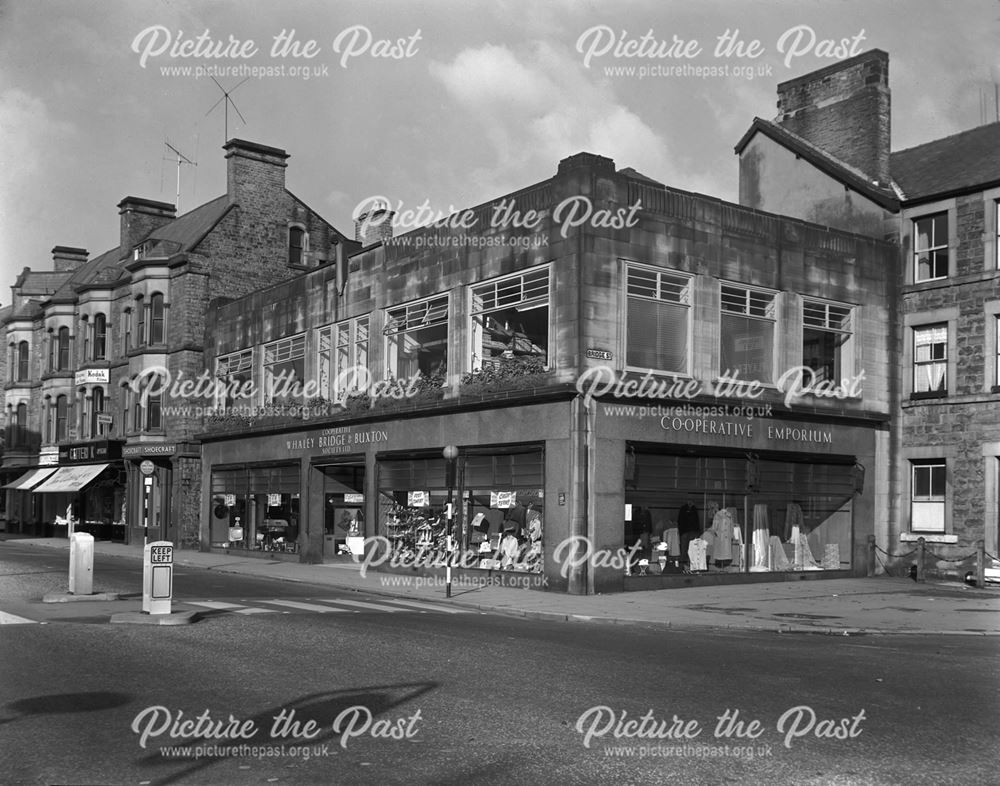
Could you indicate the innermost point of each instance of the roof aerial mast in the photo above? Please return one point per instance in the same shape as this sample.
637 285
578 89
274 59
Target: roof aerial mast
181 160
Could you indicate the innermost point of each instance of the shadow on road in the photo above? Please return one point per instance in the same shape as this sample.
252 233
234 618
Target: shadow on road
323 708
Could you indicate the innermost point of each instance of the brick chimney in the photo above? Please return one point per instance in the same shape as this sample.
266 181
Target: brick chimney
843 109
66 258
254 173
374 225
139 217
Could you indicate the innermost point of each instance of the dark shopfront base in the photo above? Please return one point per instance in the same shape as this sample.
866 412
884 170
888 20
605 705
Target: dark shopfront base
682 580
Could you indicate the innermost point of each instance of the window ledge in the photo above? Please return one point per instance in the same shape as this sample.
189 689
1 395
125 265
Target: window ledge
929 537
931 394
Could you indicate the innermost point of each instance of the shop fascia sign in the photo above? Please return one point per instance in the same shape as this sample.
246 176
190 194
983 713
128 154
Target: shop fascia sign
156 449
83 452
335 440
92 376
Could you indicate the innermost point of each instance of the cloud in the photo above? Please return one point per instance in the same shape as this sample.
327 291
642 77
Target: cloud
535 105
33 145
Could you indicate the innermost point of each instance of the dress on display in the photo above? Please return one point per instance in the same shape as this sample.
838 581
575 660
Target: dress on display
696 554
722 526
804 558
793 522
779 560
673 541
761 536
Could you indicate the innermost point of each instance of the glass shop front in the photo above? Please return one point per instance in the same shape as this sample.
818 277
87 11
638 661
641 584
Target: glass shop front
499 499
737 512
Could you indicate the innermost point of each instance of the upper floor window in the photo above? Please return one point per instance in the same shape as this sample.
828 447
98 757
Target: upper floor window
140 321
234 373
100 337
17 366
747 333
154 406
62 349
156 319
96 408
126 330
928 488
85 332
284 370
930 359
298 242
826 339
342 348
19 437
930 247
61 412
417 339
510 319
996 328
658 317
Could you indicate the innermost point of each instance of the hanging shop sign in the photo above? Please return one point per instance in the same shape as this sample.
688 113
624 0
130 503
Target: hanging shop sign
354 499
274 500
92 376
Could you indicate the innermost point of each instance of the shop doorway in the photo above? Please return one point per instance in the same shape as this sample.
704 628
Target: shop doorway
343 510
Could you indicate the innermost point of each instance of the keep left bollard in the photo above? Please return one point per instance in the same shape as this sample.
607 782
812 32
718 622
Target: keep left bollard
81 564
157 577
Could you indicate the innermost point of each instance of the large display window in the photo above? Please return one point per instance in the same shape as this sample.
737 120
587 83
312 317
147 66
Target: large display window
499 504
256 507
744 513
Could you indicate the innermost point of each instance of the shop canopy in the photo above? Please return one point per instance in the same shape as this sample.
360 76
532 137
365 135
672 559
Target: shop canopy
69 479
29 480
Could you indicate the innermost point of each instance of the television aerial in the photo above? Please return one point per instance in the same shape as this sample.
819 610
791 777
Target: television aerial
228 102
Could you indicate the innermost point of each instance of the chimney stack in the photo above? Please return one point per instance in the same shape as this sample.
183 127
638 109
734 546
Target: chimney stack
374 225
255 174
844 109
139 217
66 258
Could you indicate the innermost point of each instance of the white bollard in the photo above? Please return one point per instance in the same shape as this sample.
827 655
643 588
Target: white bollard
81 564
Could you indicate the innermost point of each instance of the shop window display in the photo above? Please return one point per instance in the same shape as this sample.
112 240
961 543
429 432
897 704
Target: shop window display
742 514
499 507
256 508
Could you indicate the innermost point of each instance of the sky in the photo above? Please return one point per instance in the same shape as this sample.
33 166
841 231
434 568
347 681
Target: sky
443 103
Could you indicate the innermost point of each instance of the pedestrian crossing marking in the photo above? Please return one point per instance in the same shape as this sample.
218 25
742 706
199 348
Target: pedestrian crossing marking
359 604
220 606
428 606
294 604
334 605
12 619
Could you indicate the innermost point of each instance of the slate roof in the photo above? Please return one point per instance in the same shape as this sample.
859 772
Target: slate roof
42 282
966 161
188 230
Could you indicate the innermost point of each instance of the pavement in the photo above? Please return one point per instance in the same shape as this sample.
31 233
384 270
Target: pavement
880 605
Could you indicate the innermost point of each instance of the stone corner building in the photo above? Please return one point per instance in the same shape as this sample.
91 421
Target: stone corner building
827 158
77 338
